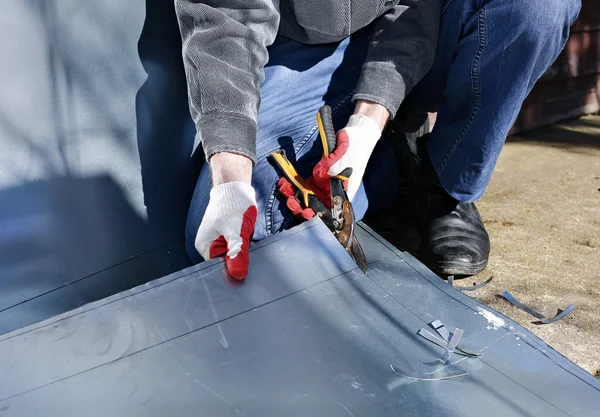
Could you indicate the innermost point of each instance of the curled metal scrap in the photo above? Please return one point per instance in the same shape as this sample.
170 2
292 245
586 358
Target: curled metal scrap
509 297
444 342
447 341
435 376
472 288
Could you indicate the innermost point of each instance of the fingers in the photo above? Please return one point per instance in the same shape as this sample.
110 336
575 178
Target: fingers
352 186
353 183
287 190
292 203
307 214
285 187
321 178
321 188
355 159
218 248
343 142
341 159
339 166
206 237
238 246
234 243
323 170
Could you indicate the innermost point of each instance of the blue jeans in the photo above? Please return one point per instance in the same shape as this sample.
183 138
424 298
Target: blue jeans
490 54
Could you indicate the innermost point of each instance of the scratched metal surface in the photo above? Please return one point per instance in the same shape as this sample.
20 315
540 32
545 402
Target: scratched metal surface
306 334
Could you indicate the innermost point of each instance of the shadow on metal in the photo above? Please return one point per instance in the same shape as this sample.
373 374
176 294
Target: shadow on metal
97 161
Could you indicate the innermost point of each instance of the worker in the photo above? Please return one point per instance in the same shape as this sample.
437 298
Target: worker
258 71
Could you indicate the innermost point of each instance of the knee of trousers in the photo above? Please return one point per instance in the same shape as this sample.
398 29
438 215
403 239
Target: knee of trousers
539 19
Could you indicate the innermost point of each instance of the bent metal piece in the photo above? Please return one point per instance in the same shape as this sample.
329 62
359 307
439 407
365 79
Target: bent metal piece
436 376
444 342
472 288
439 327
452 345
509 297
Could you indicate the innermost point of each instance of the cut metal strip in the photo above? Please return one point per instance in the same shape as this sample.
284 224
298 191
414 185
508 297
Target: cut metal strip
452 345
509 297
432 338
436 376
455 339
424 333
472 288
439 327
560 315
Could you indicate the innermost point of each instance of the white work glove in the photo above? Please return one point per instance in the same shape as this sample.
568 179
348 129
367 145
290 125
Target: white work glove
228 225
362 134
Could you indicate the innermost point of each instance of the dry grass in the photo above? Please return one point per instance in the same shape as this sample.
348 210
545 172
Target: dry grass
542 210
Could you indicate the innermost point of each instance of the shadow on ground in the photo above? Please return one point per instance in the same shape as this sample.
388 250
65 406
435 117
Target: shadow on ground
573 133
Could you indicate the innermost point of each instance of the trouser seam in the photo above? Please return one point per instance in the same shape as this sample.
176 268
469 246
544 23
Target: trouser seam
270 204
475 82
447 5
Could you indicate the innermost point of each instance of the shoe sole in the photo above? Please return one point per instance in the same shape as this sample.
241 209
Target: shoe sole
457 268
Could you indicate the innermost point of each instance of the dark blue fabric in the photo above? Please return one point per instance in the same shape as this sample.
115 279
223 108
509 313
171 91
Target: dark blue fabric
490 53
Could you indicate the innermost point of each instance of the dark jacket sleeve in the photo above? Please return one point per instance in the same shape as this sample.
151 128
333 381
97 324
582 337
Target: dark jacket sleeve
401 51
224 52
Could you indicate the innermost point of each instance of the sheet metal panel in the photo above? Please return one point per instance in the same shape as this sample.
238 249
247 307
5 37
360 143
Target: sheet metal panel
306 334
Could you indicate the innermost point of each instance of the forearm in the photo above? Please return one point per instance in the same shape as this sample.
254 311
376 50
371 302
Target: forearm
229 167
373 110
224 52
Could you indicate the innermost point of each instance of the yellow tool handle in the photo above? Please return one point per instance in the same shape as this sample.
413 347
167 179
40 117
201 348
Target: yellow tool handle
326 130
292 176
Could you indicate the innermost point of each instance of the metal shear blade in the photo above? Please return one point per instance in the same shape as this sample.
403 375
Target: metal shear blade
347 238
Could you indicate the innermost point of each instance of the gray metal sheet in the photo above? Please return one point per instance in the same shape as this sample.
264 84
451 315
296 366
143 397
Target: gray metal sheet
96 144
306 334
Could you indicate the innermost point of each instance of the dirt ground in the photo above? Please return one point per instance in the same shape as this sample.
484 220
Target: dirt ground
542 211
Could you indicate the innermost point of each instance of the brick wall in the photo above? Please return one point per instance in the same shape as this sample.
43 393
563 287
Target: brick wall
572 86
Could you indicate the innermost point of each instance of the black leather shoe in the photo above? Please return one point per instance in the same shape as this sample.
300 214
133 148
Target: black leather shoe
453 238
